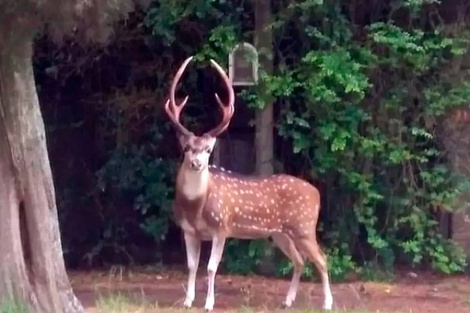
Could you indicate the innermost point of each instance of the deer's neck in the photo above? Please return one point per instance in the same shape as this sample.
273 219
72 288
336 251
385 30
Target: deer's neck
194 185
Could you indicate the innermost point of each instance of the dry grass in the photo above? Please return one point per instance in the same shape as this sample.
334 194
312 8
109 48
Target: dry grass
163 291
117 302
121 303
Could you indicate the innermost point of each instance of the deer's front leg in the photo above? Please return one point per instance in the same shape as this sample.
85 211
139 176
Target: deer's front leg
193 252
218 243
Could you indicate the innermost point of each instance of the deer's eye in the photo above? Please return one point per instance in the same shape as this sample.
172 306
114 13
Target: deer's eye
208 150
186 148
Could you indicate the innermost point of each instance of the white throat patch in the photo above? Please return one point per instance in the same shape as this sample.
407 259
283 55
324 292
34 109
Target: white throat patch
195 183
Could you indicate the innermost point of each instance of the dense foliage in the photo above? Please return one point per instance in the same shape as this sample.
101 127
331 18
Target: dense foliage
361 91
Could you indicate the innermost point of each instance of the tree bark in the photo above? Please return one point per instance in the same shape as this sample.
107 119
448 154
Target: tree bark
32 268
264 141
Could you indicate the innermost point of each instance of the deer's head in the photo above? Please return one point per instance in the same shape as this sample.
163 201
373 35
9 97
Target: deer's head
197 149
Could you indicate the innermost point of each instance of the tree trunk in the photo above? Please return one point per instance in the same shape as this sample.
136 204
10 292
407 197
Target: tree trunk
264 141
32 268
264 117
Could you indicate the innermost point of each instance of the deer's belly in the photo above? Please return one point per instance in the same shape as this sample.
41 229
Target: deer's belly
250 233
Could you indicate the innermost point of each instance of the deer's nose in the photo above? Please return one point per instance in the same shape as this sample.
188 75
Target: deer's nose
196 164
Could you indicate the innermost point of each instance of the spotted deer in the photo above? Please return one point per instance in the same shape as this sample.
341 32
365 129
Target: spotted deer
213 204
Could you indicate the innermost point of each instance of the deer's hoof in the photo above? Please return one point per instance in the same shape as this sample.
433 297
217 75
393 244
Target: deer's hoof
286 305
327 307
328 304
188 303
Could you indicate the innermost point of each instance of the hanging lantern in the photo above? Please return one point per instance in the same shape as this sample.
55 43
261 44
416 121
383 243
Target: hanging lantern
243 65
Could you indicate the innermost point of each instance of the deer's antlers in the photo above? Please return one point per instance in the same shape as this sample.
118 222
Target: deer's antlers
227 110
174 110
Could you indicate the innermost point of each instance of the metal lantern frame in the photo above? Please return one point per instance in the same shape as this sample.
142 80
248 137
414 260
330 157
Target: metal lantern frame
251 55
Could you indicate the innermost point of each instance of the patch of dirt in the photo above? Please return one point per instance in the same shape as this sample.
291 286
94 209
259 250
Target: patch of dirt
421 292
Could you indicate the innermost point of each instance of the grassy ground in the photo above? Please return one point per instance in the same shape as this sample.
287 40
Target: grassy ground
12 307
162 290
120 303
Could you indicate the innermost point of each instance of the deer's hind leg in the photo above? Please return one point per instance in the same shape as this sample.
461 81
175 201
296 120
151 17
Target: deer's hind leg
287 246
310 248
218 243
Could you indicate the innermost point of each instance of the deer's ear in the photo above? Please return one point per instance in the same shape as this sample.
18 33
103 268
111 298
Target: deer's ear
212 141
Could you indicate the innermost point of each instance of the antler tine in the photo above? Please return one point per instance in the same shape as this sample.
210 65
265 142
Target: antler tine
172 109
174 116
227 109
